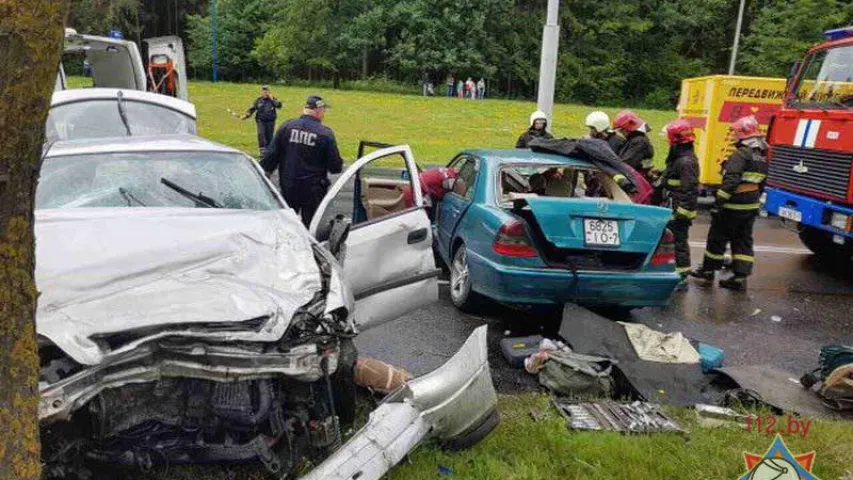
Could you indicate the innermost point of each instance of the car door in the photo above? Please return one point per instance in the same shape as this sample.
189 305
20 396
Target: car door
166 54
115 63
456 202
388 262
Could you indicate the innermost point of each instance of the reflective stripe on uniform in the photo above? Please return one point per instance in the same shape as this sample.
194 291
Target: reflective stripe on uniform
753 177
742 206
744 258
619 177
714 256
682 269
724 194
673 182
686 213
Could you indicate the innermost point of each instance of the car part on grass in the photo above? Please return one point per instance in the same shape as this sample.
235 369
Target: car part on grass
714 416
637 417
452 403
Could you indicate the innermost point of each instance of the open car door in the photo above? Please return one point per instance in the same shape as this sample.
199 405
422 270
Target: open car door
388 259
115 63
167 73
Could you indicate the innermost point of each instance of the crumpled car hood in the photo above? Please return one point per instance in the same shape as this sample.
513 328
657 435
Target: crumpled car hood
181 271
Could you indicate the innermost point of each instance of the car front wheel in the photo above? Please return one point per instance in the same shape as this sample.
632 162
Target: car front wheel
460 282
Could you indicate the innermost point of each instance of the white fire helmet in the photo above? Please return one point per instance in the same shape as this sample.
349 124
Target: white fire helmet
599 121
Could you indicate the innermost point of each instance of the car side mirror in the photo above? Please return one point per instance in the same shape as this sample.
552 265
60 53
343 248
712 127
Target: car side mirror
338 235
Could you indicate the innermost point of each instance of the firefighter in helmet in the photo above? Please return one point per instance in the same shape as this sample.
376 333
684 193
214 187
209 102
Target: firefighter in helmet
538 129
680 185
736 206
599 127
637 151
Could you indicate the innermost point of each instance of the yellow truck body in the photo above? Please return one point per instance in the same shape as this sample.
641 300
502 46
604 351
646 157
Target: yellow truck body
712 103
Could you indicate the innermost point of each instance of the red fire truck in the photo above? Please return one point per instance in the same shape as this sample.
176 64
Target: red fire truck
811 148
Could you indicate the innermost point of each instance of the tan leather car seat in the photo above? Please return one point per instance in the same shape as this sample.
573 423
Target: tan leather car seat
380 198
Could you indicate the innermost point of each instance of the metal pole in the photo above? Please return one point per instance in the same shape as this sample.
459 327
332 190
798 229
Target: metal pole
737 38
214 41
548 62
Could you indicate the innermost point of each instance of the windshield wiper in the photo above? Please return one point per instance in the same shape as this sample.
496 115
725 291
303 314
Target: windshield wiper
122 112
129 197
199 198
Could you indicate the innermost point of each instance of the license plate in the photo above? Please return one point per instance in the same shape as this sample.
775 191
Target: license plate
601 232
791 214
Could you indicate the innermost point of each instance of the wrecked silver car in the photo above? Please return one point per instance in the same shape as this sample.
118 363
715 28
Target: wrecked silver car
186 315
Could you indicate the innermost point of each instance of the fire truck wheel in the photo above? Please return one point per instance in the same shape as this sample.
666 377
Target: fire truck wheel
821 244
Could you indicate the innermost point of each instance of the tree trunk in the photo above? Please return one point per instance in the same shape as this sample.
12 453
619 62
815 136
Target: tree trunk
364 64
31 36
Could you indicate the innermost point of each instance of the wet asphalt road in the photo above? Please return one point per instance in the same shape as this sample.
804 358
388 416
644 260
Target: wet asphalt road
810 300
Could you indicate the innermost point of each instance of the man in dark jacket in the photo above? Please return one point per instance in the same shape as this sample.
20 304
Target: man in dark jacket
637 151
599 127
680 183
736 206
538 129
264 109
304 151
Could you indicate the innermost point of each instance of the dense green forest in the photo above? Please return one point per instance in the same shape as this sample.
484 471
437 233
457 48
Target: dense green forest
612 52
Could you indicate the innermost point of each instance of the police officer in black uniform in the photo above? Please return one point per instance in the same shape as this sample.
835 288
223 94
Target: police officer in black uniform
305 152
736 206
680 182
264 109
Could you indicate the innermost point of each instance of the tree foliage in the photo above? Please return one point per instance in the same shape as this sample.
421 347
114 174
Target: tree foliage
612 52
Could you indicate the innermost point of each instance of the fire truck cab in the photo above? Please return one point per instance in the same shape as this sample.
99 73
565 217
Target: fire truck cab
811 148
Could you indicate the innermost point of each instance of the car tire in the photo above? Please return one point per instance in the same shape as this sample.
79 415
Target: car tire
461 293
474 436
821 244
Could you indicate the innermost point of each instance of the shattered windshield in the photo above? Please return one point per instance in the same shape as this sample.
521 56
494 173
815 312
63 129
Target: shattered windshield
827 80
100 118
225 180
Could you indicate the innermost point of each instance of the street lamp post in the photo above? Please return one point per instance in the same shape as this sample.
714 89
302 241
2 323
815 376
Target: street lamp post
548 62
213 40
737 38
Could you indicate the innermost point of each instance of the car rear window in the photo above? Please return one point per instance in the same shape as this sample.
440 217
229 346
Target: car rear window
556 180
100 118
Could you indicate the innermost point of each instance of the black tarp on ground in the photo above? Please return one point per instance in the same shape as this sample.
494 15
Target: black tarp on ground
674 384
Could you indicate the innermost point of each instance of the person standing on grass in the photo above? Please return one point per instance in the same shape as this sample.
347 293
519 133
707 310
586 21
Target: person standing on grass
460 89
264 108
451 84
304 151
481 88
469 88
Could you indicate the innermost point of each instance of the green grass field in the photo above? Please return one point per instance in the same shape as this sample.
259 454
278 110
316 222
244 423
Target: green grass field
435 127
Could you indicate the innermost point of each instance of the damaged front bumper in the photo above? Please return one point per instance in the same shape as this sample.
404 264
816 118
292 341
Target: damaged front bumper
155 361
453 403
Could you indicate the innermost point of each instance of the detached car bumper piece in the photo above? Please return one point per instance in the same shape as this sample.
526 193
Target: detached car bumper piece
455 405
